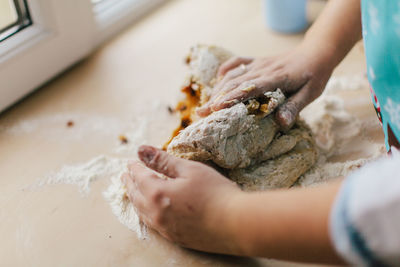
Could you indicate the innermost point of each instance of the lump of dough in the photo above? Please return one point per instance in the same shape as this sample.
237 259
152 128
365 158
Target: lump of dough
242 141
229 137
286 163
204 61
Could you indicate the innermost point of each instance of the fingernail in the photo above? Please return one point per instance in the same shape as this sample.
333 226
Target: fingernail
285 118
147 153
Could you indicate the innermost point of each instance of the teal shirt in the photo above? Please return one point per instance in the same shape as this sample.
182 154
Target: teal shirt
381 32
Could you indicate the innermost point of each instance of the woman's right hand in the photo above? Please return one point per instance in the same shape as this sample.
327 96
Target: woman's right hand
301 75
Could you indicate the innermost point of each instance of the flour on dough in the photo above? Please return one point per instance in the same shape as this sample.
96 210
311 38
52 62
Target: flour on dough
287 158
243 140
230 138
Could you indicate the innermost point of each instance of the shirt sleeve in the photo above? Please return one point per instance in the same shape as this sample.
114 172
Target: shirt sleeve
365 219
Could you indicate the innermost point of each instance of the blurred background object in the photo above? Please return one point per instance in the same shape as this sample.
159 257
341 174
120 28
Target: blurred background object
291 16
8 14
14 17
314 8
286 16
32 34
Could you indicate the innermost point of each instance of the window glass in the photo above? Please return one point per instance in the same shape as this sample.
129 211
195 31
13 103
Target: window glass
8 14
14 16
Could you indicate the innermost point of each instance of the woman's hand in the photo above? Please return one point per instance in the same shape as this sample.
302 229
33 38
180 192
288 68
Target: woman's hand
301 75
198 208
191 208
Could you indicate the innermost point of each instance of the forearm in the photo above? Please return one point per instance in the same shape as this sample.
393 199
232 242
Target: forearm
336 30
286 224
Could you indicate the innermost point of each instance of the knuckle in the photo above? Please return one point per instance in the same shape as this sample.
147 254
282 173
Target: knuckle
236 59
155 195
228 63
232 84
280 74
229 75
160 161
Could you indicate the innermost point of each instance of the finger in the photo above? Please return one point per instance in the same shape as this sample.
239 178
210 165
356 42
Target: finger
219 91
162 162
205 110
132 192
233 63
137 199
287 113
144 179
247 90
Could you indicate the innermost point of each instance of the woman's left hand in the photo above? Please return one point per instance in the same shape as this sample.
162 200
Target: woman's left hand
194 207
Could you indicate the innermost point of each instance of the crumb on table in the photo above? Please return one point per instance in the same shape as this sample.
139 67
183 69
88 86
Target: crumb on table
123 139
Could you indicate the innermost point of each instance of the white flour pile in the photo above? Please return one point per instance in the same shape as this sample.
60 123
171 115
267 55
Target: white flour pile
334 128
337 132
82 175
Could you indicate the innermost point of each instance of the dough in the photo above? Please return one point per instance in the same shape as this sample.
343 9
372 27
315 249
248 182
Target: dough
231 138
283 162
243 141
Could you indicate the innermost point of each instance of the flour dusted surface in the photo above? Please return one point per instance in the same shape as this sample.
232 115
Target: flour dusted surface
82 175
335 129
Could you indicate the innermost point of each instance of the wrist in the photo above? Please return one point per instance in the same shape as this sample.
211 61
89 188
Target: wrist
239 236
226 221
320 54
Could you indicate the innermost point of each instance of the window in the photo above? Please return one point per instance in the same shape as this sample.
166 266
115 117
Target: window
8 14
33 33
113 15
14 16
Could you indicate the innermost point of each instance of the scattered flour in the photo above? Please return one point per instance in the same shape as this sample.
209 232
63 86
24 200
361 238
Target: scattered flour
139 131
136 135
338 132
54 126
341 83
324 171
82 175
331 124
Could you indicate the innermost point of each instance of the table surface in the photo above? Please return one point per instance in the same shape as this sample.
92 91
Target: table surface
143 66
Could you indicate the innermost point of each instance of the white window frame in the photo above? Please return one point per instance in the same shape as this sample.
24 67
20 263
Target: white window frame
54 42
114 15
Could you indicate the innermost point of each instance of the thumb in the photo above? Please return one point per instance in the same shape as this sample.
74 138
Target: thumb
160 161
287 113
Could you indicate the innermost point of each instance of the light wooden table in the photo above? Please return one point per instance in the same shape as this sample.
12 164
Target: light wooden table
55 225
